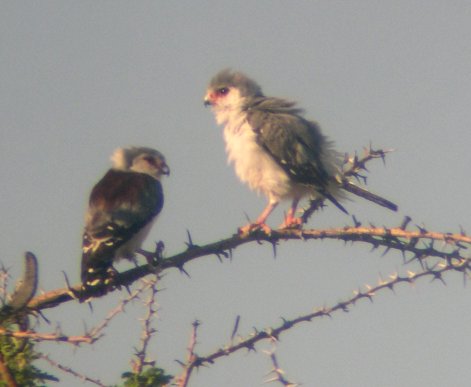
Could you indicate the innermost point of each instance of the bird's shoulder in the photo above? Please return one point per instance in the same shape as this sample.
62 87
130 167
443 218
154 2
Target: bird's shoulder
280 123
121 204
294 142
272 105
120 188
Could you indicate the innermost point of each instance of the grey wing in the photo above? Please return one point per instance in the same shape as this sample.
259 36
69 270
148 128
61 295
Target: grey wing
293 142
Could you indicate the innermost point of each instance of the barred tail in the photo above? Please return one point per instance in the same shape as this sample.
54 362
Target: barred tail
95 274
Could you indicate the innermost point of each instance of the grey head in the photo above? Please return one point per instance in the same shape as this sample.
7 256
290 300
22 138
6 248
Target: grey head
228 78
141 160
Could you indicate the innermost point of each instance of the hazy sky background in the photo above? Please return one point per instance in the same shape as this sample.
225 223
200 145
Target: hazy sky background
79 79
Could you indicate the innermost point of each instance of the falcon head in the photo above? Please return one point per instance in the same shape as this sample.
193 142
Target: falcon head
230 89
140 160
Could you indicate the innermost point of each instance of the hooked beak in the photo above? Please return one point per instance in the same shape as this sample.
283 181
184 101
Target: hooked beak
208 100
165 170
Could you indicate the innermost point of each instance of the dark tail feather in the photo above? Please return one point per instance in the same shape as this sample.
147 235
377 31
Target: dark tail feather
335 201
354 189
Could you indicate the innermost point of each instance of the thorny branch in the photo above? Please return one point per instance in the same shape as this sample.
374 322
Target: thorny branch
353 166
96 332
419 242
277 374
188 366
368 293
55 336
71 371
89 337
147 329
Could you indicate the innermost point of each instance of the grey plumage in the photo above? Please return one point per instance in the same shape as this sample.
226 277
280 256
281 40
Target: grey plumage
275 149
295 143
227 78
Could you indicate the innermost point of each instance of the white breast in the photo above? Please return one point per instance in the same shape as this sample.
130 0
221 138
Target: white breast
252 164
128 249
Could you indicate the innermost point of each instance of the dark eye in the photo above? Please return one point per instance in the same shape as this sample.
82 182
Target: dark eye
149 159
223 91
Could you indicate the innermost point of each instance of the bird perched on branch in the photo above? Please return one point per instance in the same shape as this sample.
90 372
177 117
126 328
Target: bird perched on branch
275 150
123 206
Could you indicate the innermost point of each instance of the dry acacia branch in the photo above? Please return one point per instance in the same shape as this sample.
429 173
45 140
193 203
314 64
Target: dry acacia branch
353 166
71 371
89 337
273 333
57 336
96 332
147 329
277 374
391 238
188 366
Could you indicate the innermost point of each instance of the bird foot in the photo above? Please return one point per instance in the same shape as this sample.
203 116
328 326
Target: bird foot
292 223
253 227
154 259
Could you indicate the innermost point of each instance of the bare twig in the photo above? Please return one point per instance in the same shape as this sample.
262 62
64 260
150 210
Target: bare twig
71 371
89 337
248 343
147 329
277 374
96 332
56 336
189 365
353 166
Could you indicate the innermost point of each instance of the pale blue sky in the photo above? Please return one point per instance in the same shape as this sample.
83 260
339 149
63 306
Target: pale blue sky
79 79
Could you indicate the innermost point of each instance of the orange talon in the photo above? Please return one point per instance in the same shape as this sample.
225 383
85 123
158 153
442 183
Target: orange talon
251 227
292 222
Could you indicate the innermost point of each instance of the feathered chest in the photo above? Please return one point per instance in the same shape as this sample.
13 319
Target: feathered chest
253 165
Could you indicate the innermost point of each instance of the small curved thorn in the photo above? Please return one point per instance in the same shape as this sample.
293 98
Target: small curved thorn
190 243
356 222
236 327
43 316
422 229
182 270
274 244
72 292
405 222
